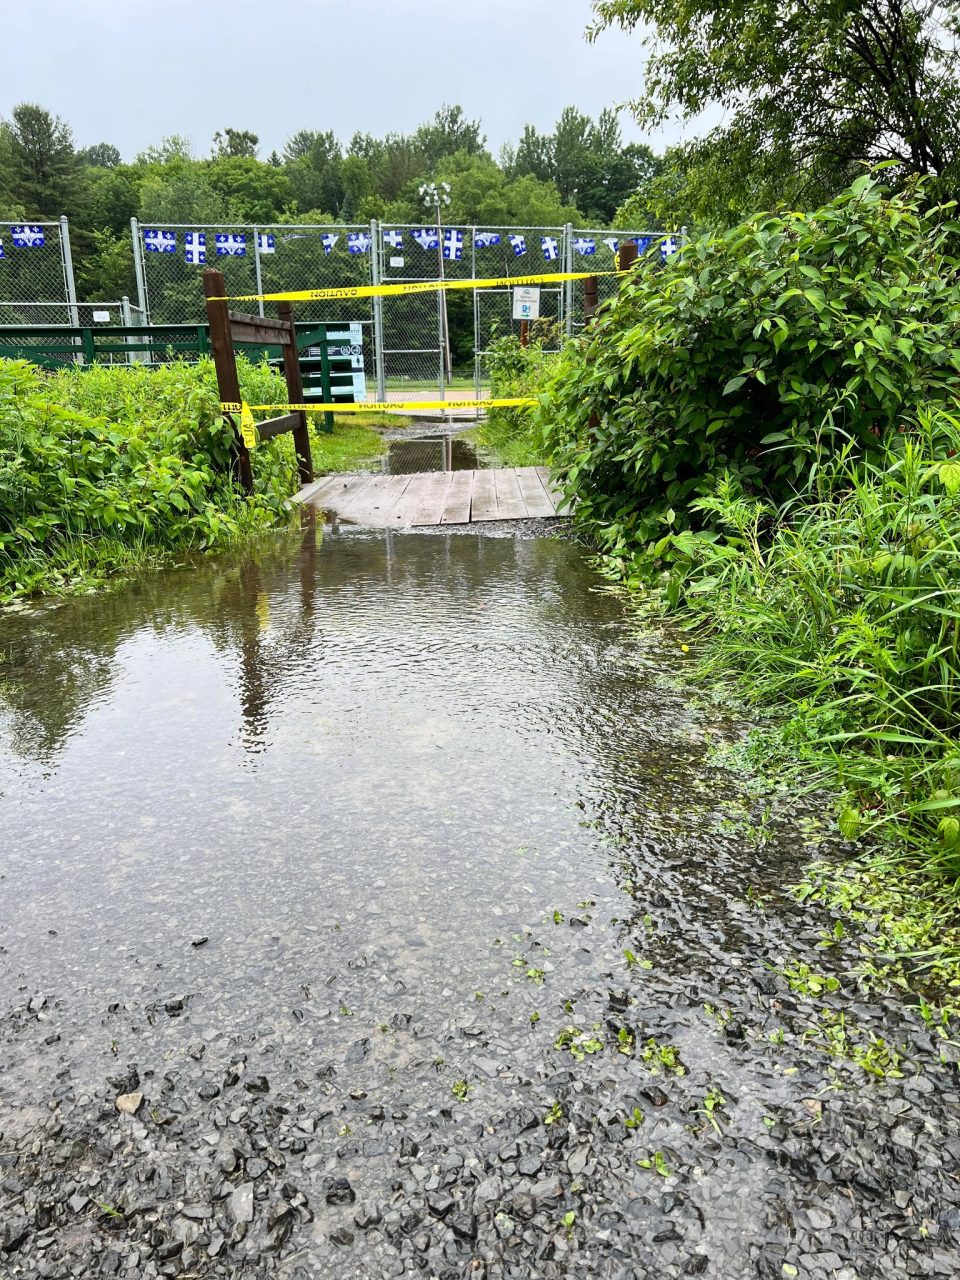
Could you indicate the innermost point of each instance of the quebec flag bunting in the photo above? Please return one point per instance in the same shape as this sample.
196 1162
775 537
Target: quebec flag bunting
519 244
485 239
612 244
426 237
195 246
358 242
393 239
328 240
584 245
551 249
643 243
153 241
2 254
668 246
27 237
453 244
233 246
266 243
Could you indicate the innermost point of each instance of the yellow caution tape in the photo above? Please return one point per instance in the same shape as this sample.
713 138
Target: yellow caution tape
248 428
373 406
417 286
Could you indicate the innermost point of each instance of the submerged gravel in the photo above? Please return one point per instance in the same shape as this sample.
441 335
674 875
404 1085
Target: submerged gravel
549 1019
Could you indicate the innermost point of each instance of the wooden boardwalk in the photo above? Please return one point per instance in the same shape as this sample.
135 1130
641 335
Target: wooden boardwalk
435 497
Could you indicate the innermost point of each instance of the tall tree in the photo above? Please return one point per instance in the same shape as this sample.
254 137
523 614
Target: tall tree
812 90
235 142
447 133
44 168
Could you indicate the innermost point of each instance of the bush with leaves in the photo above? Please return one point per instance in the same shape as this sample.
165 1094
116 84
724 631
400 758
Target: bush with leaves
748 352
102 467
516 372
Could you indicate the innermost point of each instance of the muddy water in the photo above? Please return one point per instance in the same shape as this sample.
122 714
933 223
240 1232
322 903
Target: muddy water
394 875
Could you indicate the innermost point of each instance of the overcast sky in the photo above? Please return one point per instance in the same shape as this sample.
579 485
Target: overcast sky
131 73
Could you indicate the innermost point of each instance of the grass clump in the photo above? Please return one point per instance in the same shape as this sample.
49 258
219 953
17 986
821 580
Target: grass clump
108 469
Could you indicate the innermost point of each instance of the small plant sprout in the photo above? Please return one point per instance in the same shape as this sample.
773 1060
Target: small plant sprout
657 1057
634 1120
534 1017
460 1089
558 917
578 1043
655 1161
553 1115
805 982
569 1218
625 1041
712 1103
636 962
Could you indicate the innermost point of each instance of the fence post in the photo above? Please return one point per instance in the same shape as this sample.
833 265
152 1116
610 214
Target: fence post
68 280
256 267
378 362
291 369
626 255
225 363
590 291
568 286
138 270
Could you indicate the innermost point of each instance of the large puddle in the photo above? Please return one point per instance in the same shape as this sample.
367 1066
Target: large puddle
385 868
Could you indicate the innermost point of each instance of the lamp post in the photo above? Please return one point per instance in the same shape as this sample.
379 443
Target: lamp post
435 197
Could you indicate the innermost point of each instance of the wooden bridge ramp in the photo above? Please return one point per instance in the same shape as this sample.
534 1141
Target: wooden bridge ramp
435 497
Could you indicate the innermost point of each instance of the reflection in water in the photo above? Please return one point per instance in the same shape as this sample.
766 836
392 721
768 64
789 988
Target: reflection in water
432 453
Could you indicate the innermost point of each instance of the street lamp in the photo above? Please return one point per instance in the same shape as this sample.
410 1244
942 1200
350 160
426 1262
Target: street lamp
435 197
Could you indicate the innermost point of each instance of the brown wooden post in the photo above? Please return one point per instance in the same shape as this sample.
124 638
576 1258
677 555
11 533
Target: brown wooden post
590 297
291 369
626 255
524 333
225 363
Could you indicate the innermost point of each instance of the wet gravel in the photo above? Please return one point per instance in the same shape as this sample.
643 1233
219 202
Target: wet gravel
448 963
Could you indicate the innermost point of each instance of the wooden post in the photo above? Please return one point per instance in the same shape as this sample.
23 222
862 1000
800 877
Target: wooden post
225 363
291 369
590 297
524 333
626 255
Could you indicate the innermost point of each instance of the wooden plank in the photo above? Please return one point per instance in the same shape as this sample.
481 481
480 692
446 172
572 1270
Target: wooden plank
402 514
351 498
324 497
456 507
538 502
509 499
484 505
393 494
433 499
258 329
380 495
277 426
225 364
551 489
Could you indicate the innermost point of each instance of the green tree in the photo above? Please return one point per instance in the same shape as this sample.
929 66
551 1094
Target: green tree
251 190
313 163
812 90
235 142
45 172
446 134
102 155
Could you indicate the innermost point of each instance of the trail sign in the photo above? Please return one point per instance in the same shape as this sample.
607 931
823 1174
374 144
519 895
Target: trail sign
526 303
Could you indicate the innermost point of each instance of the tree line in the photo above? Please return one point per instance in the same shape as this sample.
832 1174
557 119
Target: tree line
581 172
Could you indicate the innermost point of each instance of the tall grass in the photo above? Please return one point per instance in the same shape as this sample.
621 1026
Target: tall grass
842 607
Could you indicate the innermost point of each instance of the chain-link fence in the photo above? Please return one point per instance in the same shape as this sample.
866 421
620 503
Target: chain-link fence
36 274
405 337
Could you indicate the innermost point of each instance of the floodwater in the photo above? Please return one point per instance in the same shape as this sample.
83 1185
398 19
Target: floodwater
384 866
441 452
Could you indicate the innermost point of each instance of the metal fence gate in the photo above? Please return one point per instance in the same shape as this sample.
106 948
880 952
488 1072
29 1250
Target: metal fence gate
36 274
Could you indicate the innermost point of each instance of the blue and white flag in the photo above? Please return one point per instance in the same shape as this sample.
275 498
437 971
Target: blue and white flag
486 239
393 239
519 245
2 254
612 243
358 242
230 245
667 246
643 243
453 244
266 242
154 241
328 240
551 249
195 246
426 237
27 237
584 245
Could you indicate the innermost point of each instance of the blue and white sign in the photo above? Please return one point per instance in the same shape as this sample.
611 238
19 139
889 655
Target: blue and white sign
518 244
486 239
266 242
328 240
195 247
358 242
453 244
230 245
154 241
643 243
2 254
551 249
612 243
585 245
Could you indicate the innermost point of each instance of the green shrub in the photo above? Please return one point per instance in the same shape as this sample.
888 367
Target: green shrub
515 435
102 465
749 352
